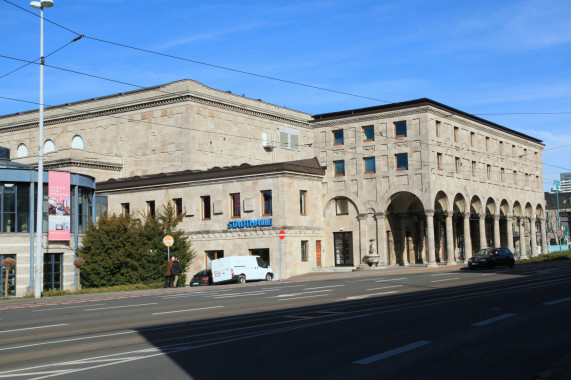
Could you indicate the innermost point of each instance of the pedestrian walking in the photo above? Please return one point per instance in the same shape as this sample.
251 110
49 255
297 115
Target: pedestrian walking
168 278
176 269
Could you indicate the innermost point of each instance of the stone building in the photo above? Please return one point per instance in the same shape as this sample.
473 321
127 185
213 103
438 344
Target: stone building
404 181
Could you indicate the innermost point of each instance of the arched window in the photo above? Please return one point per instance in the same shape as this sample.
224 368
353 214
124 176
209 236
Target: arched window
77 142
49 147
22 151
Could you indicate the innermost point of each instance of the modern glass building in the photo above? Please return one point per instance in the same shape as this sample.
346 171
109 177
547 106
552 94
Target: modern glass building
18 197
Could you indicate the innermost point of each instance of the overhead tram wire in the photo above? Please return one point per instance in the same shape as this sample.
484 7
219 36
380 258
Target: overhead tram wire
36 61
255 74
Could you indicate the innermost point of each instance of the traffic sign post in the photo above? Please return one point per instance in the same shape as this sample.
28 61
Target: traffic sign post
282 237
168 241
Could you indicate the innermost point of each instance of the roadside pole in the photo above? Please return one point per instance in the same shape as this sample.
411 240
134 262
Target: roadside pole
282 237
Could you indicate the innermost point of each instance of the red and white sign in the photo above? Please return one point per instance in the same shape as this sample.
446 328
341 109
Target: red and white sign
59 206
168 241
559 233
282 234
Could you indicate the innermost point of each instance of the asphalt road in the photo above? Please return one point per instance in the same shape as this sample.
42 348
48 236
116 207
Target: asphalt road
418 324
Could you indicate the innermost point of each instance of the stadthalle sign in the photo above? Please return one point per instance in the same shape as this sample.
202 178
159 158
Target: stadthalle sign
250 223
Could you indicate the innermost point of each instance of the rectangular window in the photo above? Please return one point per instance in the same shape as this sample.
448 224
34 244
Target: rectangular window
401 161
177 203
472 139
489 171
266 202
437 128
339 168
235 205
400 129
456 134
125 209
457 164
473 168
304 244
151 208
487 144
342 206
369 164
205 205
503 175
302 202
369 133
439 161
338 137
289 138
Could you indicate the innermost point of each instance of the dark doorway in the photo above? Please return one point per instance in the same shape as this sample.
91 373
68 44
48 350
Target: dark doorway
318 253
213 255
53 271
264 253
343 245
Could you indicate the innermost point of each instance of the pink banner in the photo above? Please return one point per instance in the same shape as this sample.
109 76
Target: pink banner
59 214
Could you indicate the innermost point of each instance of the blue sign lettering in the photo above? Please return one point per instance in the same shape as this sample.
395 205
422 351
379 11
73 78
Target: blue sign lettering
250 223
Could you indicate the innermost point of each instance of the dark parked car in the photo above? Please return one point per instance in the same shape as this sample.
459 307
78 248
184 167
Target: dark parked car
204 277
492 257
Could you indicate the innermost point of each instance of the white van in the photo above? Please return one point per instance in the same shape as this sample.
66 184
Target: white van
240 269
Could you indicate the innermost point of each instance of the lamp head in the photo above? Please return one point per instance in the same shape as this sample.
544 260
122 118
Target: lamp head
42 4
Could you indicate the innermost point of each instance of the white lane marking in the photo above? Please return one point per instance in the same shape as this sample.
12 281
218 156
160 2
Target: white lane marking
121 307
323 287
68 307
386 287
557 301
396 351
370 295
492 320
446 279
443 274
182 311
393 279
238 295
301 294
488 274
297 298
34 328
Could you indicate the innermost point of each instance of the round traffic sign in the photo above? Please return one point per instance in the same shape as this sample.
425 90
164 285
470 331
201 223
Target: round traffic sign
282 234
559 233
168 241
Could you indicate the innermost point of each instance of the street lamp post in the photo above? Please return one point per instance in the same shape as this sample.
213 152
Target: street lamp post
39 214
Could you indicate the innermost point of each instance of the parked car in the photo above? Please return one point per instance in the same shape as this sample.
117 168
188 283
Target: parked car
240 269
204 277
492 257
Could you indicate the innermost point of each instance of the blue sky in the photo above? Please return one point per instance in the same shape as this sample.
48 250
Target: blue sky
505 61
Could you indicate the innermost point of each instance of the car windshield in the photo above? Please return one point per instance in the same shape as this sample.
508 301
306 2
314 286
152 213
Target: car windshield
483 253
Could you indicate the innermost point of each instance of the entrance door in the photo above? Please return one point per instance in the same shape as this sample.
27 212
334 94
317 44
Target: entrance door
264 253
343 244
318 253
11 277
213 255
53 271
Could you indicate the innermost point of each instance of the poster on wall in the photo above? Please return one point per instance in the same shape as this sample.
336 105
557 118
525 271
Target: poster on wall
59 214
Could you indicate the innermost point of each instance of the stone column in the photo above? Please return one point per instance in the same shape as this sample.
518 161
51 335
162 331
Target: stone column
522 239
544 249
422 238
510 233
483 240
402 228
363 241
430 232
497 239
467 237
381 239
449 240
533 236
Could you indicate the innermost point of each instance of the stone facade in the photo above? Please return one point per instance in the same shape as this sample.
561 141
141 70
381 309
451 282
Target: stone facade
404 180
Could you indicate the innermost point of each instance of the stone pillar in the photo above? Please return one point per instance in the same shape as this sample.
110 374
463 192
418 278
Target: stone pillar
422 238
402 228
533 236
544 249
449 240
497 239
430 232
363 241
467 237
483 240
510 233
381 239
522 239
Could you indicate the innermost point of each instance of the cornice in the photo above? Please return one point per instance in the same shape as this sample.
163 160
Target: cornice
84 115
369 118
82 164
